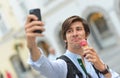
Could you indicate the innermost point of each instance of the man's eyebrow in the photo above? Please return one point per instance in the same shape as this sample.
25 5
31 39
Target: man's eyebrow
69 29
79 27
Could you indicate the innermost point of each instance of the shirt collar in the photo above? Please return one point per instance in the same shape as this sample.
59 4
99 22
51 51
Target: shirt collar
72 55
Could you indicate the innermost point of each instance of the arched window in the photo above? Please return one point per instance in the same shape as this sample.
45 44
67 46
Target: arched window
18 65
100 29
4 29
118 7
20 10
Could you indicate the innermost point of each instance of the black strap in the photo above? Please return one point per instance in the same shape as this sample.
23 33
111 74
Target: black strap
96 71
72 69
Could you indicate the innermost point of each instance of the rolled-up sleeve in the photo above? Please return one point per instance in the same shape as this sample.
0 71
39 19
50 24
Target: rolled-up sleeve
37 63
114 74
50 69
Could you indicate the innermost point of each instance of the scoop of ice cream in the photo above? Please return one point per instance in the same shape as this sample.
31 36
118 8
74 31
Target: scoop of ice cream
83 43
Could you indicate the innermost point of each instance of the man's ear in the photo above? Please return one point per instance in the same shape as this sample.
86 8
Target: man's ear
86 36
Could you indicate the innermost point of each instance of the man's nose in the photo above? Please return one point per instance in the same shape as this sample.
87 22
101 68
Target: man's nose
75 33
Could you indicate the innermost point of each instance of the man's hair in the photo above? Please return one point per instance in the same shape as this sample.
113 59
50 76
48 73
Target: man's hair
67 23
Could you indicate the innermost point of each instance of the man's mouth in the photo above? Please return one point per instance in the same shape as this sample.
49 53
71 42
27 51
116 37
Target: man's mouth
75 39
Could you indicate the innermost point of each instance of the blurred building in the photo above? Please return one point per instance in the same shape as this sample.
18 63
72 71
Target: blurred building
103 16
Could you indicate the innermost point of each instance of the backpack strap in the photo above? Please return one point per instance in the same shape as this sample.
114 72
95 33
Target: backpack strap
97 72
72 69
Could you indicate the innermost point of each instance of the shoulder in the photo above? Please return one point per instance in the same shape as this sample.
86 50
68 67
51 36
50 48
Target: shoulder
61 67
61 61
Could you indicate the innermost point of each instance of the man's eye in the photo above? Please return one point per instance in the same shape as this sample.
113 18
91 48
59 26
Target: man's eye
69 31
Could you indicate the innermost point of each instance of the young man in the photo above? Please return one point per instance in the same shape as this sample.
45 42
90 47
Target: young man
74 30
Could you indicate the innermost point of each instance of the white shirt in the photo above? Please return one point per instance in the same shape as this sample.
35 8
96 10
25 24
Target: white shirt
58 68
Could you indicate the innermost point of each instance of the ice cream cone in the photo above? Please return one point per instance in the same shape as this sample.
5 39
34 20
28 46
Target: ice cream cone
84 44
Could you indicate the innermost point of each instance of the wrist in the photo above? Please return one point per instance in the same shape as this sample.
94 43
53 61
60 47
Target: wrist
106 70
31 45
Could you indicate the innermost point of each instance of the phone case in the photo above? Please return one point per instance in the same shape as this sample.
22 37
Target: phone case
36 12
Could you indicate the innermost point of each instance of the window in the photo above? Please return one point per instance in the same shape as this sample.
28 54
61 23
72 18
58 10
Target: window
18 65
101 30
101 25
3 27
19 9
50 5
47 3
117 6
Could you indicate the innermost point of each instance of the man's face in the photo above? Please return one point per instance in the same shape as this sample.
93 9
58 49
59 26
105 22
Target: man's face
75 34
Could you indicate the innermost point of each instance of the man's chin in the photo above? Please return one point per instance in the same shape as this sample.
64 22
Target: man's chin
77 45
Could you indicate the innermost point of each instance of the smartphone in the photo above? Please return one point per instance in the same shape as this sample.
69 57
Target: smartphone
36 12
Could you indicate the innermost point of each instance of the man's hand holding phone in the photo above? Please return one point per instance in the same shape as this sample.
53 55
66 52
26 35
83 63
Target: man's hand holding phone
33 27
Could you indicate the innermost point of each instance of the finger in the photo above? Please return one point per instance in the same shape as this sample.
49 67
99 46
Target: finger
91 60
34 35
88 52
31 17
38 23
92 49
89 56
35 28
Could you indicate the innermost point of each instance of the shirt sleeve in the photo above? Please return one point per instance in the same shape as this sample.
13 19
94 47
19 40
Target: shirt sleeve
50 69
113 73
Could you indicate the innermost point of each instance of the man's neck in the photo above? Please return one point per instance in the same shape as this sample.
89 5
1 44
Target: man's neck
76 51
